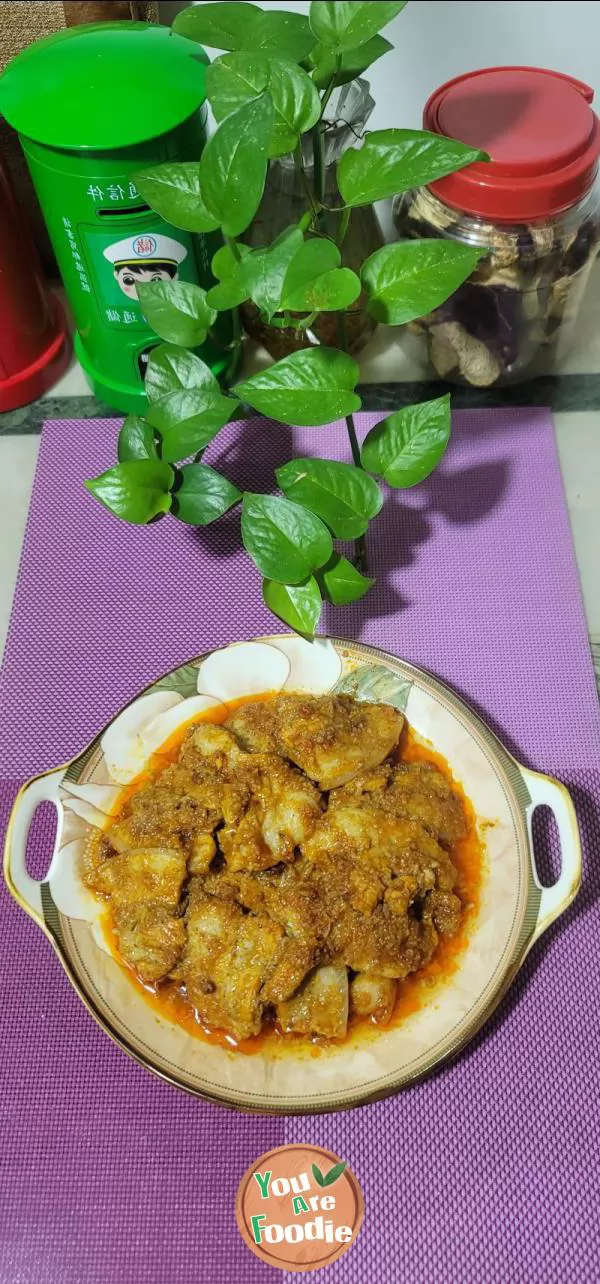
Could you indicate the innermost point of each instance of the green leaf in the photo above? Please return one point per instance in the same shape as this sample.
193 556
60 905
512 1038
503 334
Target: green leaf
224 263
177 311
203 495
344 26
330 292
264 271
186 404
315 282
341 494
309 387
334 1173
411 278
171 368
188 419
283 34
393 160
354 61
220 26
173 191
284 540
235 79
136 490
136 440
316 256
238 78
298 605
341 583
296 104
232 288
234 165
260 276
405 447
228 294
318 1175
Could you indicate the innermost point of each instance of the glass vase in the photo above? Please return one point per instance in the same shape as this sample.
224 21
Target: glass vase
284 203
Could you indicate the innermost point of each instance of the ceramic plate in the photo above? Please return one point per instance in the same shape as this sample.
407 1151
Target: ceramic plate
514 908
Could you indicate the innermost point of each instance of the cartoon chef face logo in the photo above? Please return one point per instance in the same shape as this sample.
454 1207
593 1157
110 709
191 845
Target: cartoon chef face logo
144 258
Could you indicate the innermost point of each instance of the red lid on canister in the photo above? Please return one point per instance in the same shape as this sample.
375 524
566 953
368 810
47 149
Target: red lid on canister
537 126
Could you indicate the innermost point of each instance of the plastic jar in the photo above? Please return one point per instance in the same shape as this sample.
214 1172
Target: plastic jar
536 209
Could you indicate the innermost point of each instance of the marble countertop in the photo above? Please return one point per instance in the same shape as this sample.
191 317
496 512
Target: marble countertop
389 371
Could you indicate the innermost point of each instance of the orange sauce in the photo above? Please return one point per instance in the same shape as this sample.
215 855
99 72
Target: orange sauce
467 855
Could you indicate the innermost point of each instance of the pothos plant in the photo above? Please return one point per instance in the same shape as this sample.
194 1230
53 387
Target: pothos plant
272 87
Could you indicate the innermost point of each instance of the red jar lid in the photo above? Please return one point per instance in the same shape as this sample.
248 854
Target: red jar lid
537 126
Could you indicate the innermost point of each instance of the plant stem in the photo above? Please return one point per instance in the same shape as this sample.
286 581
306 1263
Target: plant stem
318 163
310 217
354 446
232 245
331 85
287 321
360 545
343 227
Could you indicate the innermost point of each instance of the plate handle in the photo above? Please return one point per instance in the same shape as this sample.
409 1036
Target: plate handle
556 899
25 889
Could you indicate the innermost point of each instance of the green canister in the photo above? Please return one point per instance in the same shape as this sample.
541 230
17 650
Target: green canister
93 105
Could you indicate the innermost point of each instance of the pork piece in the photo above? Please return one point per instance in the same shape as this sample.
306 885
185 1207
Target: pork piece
229 956
288 900
151 939
144 887
202 849
213 761
372 995
258 949
290 905
384 846
330 737
296 959
287 895
320 1006
382 942
147 875
417 790
189 798
420 790
283 810
247 889
295 900
444 910
373 872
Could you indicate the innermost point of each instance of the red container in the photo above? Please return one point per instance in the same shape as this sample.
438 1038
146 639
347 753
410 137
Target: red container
35 349
533 211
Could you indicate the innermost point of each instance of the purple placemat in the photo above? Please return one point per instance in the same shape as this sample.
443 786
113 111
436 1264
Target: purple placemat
489 1170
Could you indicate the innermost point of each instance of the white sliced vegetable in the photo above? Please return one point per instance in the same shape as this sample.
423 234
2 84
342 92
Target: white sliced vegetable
245 669
166 724
121 743
64 879
314 666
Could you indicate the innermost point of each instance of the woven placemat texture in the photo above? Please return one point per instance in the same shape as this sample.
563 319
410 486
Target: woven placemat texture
488 1171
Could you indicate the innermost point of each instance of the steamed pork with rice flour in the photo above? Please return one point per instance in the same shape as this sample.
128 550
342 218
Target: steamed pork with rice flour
287 867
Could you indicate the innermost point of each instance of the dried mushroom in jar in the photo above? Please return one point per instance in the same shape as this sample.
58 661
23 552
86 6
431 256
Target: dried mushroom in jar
511 319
